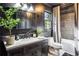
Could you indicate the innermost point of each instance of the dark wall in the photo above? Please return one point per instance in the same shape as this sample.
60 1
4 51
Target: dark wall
4 32
26 24
23 27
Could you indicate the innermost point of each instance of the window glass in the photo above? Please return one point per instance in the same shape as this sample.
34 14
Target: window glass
47 23
47 20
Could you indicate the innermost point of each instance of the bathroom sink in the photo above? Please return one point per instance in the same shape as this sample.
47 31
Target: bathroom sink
22 42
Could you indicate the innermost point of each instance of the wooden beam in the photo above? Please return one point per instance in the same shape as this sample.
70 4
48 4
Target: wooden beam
66 6
76 27
56 24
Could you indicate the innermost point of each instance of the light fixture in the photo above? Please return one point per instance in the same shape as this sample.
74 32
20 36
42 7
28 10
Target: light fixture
39 8
29 14
17 5
30 8
25 7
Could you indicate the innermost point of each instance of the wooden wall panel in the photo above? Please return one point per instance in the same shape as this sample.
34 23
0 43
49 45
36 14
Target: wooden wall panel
67 26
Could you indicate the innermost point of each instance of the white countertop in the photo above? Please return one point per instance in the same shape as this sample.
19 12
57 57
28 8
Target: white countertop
23 42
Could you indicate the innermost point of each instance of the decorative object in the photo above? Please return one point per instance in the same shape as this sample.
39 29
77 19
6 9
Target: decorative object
8 21
34 35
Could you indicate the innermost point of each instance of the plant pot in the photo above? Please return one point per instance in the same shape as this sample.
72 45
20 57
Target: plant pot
10 40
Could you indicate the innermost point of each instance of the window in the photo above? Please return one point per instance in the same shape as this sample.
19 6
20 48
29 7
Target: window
47 23
47 20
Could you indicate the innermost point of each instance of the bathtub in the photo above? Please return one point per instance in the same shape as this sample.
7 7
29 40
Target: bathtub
68 46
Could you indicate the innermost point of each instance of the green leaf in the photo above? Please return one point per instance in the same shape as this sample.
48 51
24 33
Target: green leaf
9 22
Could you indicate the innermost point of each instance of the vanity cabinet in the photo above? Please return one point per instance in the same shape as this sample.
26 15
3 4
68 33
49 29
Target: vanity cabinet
33 49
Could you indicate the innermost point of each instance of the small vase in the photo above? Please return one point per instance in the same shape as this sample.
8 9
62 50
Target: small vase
34 35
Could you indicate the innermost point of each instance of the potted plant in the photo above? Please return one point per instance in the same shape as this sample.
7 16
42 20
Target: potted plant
39 31
8 21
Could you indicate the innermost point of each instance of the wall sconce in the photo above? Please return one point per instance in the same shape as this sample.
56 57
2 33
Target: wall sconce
17 5
39 8
25 7
29 14
31 9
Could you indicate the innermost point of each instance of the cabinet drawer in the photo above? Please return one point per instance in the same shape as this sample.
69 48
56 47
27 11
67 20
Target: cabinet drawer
31 46
34 52
32 49
16 52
